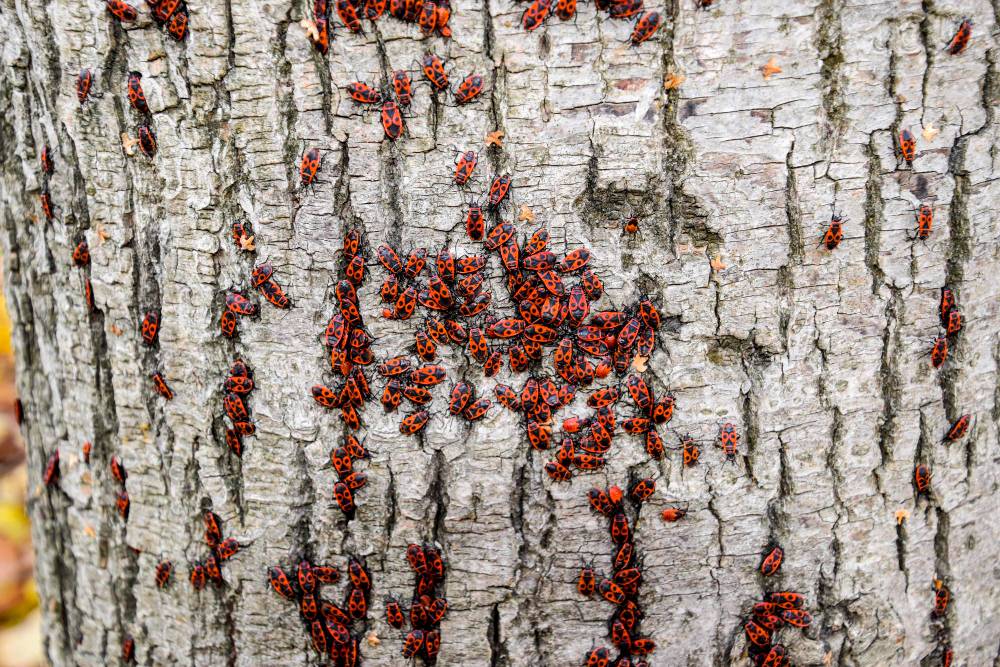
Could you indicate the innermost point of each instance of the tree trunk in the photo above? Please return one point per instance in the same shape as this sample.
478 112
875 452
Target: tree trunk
789 110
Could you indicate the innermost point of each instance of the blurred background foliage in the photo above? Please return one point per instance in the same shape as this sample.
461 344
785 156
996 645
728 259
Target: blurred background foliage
20 622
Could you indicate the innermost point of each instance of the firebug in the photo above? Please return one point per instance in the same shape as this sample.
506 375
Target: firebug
135 95
309 166
961 38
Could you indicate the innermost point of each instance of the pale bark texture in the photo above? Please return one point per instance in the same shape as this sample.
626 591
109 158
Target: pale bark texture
819 357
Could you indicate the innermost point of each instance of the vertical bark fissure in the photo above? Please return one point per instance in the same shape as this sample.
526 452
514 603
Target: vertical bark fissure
927 40
793 213
391 508
437 498
284 91
753 361
942 568
830 48
902 546
874 207
498 652
889 383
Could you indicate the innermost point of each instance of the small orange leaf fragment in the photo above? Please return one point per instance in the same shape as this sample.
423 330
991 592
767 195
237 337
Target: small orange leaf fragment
673 80
772 67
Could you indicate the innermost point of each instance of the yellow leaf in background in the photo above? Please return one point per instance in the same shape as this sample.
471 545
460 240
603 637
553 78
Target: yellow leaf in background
5 327
23 642
901 516
717 263
494 138
639 363
14 524
373 639
930 132
525 214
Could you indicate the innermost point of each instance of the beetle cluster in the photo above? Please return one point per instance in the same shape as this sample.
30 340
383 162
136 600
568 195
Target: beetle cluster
81 252
220 550
334 631
906 143
647 24
348 341
262 278
149 331
237 387
426 608
777 610
172 14
538 399
951 321
463 401
653 412
81 260
412 383
454 292
467 90
622 589
906 148
391 115
48 168
942 598
431 15
119 474
551 313
137 98
349 480
121 10
237 304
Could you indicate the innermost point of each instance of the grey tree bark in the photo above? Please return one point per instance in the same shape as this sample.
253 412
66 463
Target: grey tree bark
820 358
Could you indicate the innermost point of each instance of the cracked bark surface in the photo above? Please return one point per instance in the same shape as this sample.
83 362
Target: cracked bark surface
818 357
